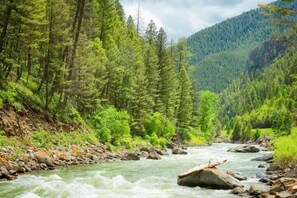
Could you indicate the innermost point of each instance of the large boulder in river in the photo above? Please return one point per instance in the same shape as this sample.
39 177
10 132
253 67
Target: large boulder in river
207 176
244 149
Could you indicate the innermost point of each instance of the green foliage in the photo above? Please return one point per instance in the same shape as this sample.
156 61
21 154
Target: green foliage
112 126
260 104
155 140
6 141
256 135
207 112
236 135
159 125
44 139
282 122
285 149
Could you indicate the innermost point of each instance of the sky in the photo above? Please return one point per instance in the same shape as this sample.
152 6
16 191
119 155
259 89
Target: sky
181 18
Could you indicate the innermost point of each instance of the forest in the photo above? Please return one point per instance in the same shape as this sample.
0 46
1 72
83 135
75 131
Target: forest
224 49
86 64
83 63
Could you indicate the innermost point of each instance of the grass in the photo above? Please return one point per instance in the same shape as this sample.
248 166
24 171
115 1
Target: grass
285 149
43 139
263 132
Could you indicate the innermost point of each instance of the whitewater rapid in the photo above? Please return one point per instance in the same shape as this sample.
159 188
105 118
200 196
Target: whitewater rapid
133 179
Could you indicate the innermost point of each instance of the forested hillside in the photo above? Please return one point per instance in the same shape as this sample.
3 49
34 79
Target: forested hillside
266 98
81 62
225 47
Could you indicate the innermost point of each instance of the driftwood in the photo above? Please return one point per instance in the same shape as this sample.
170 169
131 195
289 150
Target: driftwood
210 164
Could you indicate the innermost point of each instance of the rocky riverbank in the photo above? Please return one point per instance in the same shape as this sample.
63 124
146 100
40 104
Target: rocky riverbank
13 163
278 181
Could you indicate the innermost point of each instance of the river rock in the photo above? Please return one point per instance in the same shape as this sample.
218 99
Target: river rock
171 145
209 178
283 184
154 156
162 152
244 149
131 156
261 166
4 172
237 176
284 194
238 191
178 151
65 156
257 189
43 157
264 158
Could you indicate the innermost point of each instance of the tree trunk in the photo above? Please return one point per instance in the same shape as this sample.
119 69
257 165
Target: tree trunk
5 24
80 10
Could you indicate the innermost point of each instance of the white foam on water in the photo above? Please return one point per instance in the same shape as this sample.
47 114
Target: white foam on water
141 179
28 195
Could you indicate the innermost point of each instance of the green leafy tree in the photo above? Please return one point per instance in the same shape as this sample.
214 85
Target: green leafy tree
207 112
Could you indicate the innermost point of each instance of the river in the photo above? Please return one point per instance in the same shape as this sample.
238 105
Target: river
132 179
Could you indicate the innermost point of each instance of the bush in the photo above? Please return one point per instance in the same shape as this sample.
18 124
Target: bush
44 139
256 135
112 126
160 125
285 149
155 140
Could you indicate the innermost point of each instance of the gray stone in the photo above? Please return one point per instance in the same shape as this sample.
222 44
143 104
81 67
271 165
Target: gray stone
244 149
264 158
209 178
238 190
154 156
257 189
178 151
131 156
237 175
4 172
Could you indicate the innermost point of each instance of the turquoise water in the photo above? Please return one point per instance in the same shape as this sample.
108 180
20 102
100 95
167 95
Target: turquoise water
132 179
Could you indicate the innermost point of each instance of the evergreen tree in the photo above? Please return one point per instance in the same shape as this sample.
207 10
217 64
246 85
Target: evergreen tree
184 110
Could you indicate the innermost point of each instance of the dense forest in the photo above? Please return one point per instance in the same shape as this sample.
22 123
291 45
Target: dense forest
220 52
82 62
263 101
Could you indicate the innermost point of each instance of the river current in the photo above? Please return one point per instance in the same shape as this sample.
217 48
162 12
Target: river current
133 179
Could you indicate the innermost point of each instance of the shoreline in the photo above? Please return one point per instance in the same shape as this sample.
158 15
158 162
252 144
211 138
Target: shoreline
35 160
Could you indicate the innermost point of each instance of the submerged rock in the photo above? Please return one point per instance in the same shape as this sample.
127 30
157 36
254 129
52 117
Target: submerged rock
178 151
264 158
237 176
244 149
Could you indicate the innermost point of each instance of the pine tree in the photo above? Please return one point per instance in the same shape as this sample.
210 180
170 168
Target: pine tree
167 86
184 110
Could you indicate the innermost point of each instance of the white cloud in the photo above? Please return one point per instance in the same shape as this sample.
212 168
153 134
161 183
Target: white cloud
185 17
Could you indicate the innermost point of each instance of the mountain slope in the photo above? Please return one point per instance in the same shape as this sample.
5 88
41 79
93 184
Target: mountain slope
242 33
